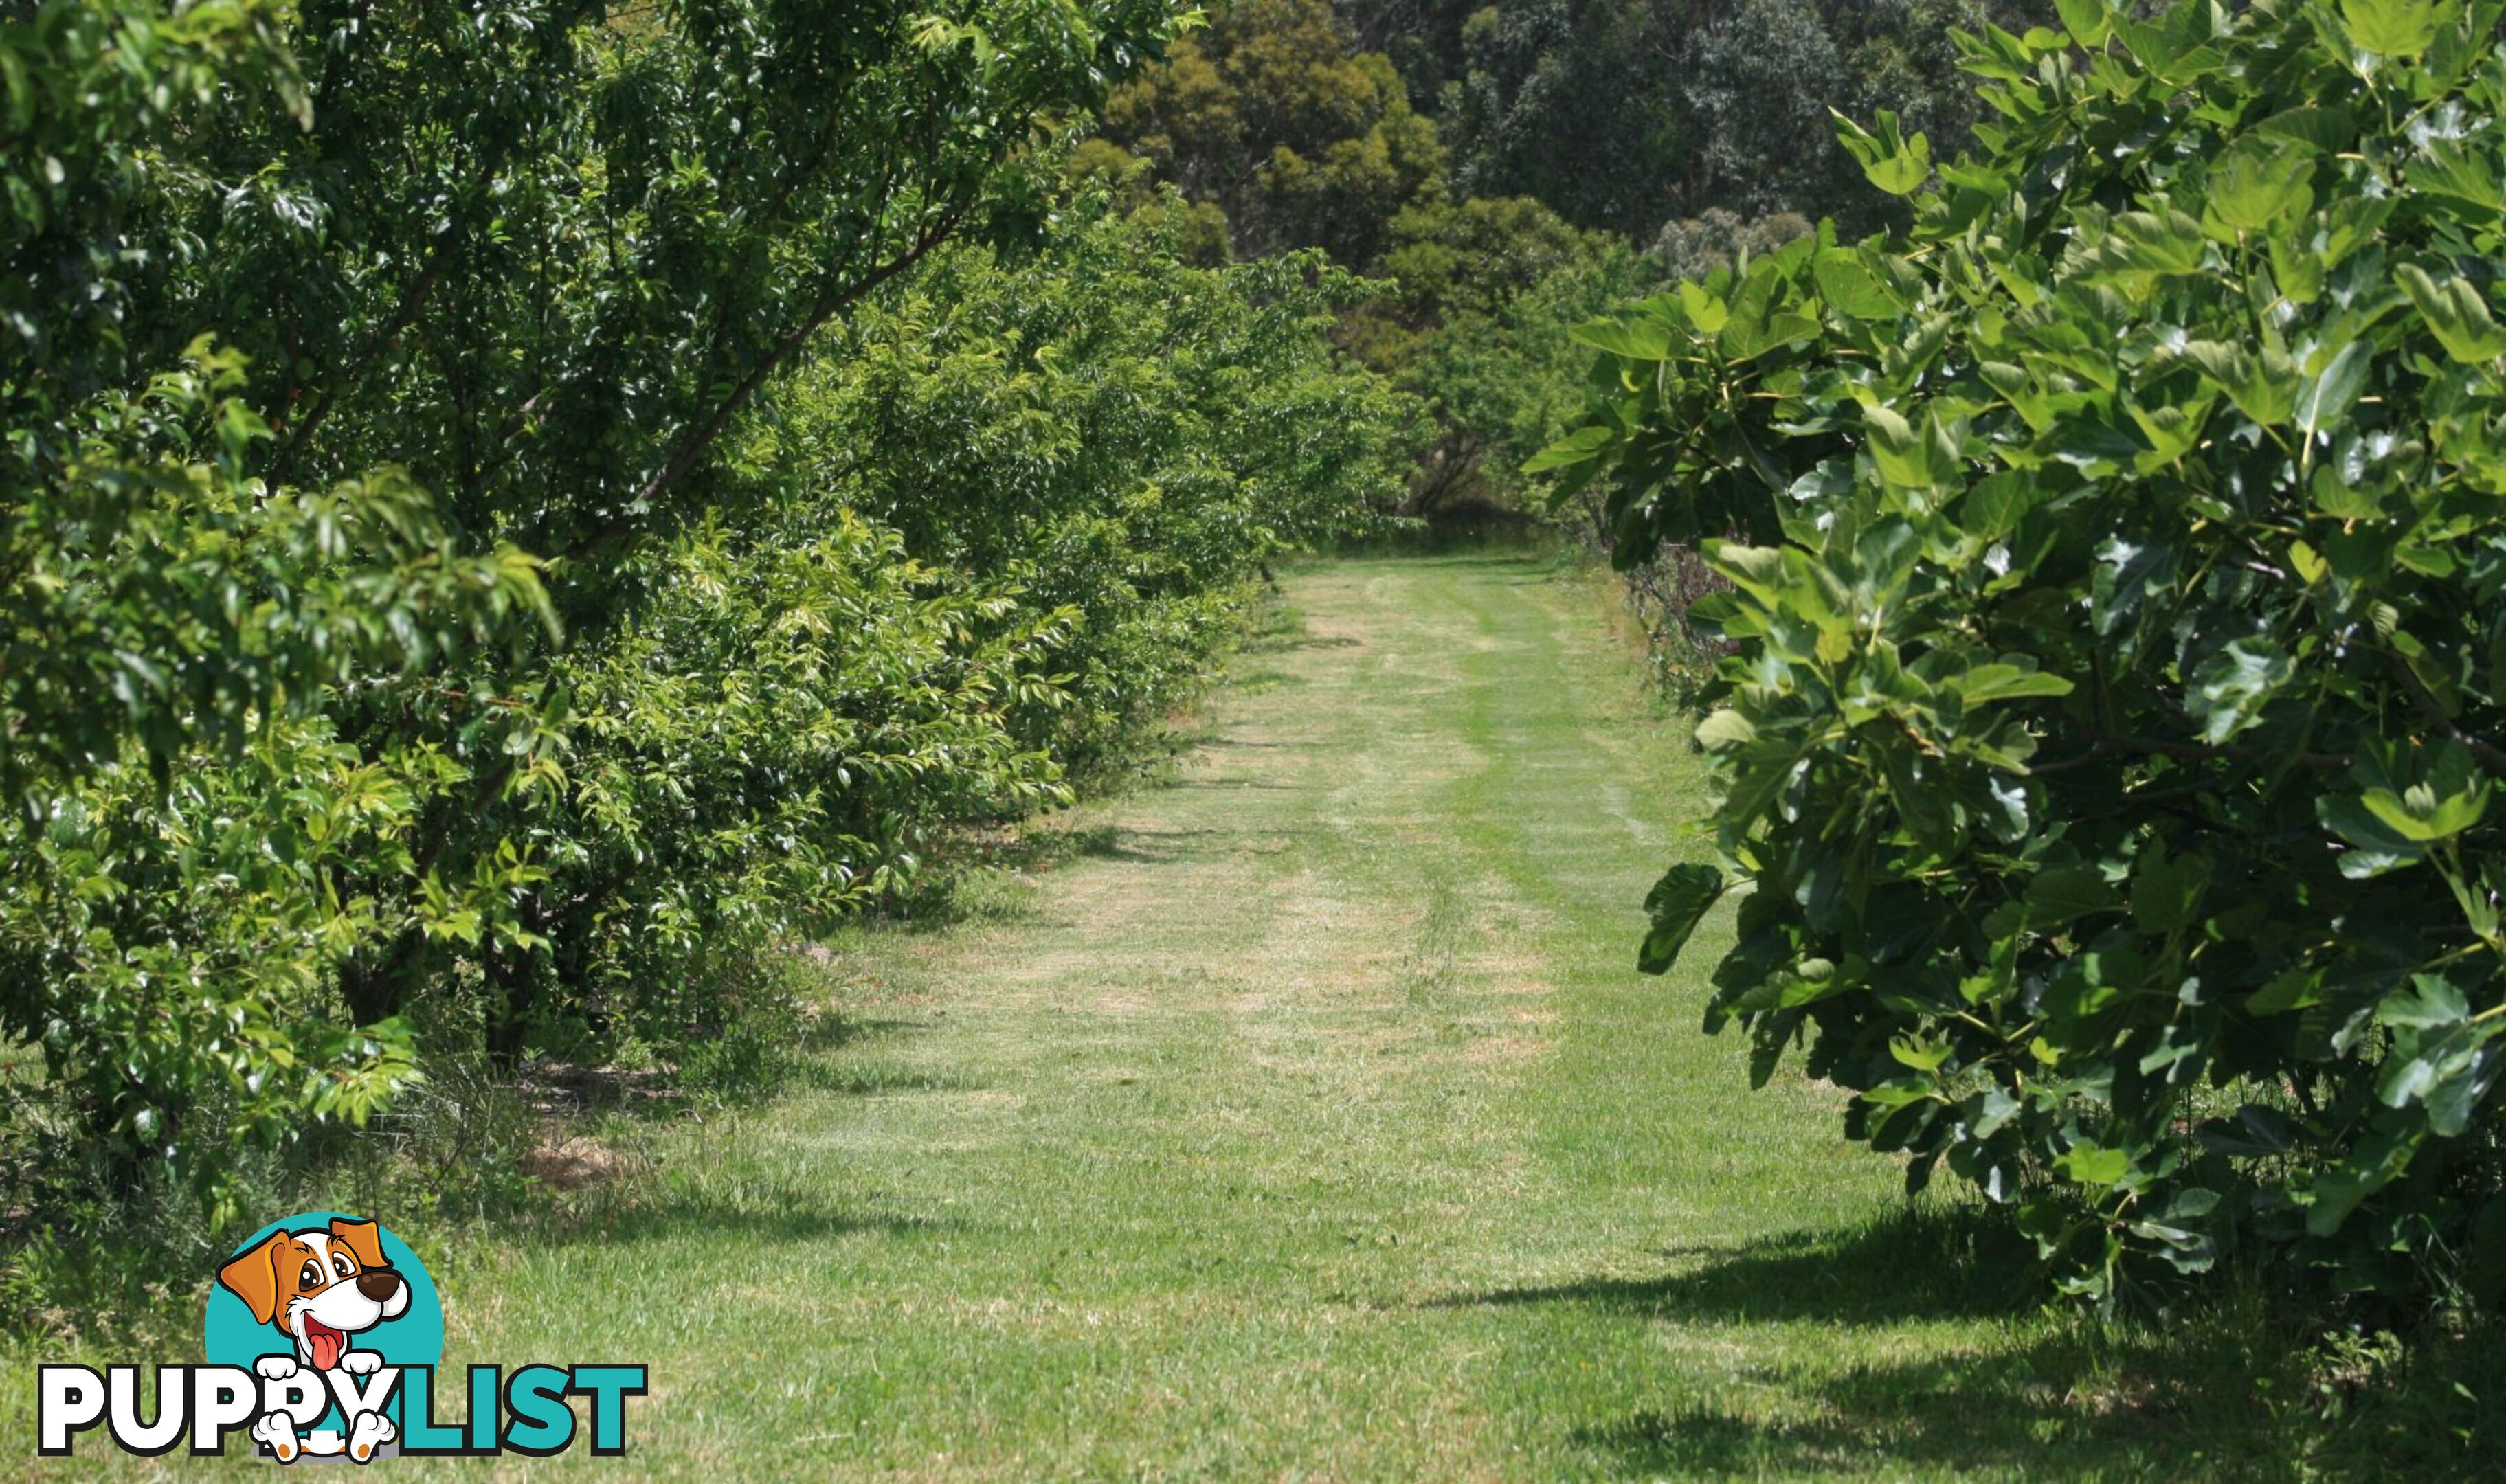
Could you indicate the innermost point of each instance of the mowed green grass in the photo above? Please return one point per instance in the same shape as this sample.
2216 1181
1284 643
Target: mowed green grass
1304 1118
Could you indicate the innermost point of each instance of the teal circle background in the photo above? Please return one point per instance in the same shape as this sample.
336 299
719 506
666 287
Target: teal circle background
231 1336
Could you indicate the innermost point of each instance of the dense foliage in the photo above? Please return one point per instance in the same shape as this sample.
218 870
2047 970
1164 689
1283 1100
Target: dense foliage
1470 153
1311 122
1493 351
1121 435
2116 714
998 529
451 601
1271 116
1623 114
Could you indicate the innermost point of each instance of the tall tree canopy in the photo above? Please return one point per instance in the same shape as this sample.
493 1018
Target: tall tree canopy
1272 114
1626 114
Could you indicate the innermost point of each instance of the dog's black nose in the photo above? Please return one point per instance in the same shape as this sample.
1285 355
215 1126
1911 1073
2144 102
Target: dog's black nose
379 1284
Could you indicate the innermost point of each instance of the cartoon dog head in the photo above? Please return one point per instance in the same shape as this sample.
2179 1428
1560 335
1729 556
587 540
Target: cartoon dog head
318 1286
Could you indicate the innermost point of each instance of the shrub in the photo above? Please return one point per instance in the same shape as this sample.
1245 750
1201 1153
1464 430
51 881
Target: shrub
2116 714
997 531
1122 436
768 745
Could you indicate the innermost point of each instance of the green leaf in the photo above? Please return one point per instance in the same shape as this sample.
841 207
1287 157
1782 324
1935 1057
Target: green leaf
1849 288
2427 1002
2182 1247
2456 312
1725 727
1894 165
2067 892
2254 1132
1805 983
1919 1055
2166 243
2391 27
2091 1165
1677 903
2010 679
2127 573
1637 338
2260 184
2167 891
1707 312
1580 447
1906 455
2431 810
1992 507
1755 570
2326 397
2264 385
2449 167
2326 130
2231 688
2173 429
2090 22
2335 496
2375 847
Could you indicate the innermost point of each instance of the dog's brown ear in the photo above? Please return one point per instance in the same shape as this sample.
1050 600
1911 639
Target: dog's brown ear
364 1238
252 1275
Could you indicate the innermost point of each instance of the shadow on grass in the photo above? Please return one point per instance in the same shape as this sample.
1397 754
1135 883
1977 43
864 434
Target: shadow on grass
1923 1263
1037 852
2227 1390
834 1032
2215 1397
986 885
1513 564
1308 641
1473 528
1156 847
2011 1413
1997 1410
1258 681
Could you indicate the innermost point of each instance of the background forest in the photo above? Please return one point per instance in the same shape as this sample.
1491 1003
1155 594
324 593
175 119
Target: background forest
1511 171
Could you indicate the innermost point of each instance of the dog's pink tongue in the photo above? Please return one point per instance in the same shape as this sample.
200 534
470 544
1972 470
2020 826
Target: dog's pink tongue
327 1343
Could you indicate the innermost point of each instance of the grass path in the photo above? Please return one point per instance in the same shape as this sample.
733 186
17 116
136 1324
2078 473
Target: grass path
1305 1120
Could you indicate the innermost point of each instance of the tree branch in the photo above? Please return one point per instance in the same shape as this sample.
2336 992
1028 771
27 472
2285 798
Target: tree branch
403 315
693 447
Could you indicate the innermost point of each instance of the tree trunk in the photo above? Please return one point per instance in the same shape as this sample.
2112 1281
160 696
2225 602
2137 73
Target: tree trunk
513 983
